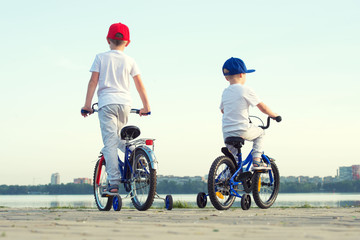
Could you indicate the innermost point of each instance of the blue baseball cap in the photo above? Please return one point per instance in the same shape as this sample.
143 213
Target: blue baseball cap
234 66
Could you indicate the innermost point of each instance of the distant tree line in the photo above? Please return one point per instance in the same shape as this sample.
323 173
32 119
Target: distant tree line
341 187
172 187
58 189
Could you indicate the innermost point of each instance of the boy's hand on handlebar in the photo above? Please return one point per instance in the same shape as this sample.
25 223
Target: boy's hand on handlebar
85 111
144 112
277 118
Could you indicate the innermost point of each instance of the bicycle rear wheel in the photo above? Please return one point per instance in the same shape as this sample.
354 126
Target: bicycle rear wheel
143 181
265 192
100 183
220 173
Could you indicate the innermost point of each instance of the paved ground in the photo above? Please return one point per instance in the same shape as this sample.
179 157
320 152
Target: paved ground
273 223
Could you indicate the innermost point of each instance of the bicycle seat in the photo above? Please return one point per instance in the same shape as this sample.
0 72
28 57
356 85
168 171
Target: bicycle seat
129 132
237 142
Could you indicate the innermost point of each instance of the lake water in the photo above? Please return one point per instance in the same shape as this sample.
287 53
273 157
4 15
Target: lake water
283 200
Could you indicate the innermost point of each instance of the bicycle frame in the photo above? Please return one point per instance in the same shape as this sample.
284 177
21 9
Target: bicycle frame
244 166
123 166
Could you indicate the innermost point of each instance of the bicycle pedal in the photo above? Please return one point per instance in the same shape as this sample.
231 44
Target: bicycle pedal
219 195
109 195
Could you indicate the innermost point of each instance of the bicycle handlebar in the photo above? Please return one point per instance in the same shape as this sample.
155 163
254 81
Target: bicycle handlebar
137 111
83 111
278 119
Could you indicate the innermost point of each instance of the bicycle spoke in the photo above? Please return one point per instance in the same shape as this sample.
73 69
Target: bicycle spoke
266 187
219 183
143 182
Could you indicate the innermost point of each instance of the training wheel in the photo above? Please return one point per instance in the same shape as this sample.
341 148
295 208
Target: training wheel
201 200
117 203
245 201
168 202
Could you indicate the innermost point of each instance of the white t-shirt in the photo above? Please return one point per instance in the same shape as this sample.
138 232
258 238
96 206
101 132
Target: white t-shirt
235 102
115 69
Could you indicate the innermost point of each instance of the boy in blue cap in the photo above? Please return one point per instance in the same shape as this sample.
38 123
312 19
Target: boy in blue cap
235 103
111 73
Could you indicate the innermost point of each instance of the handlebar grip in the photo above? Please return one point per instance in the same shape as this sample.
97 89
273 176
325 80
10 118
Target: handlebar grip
83 111
278 118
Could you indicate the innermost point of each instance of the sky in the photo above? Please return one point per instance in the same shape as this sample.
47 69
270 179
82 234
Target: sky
306 56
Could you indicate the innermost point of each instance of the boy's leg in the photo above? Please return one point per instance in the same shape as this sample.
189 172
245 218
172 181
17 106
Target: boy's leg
256 135
232 150
124 111
112 119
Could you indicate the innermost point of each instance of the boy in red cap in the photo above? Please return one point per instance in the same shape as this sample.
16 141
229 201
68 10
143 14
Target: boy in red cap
235 102
111 73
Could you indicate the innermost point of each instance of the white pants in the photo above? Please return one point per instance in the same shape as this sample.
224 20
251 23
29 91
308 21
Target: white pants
112 119
254 134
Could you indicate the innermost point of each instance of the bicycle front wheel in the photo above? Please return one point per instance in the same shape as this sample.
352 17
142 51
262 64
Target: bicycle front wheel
219 177
143 181
100 183
265 191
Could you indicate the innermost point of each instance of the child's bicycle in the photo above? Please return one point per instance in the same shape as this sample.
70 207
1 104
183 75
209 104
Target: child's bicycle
138 173
229 178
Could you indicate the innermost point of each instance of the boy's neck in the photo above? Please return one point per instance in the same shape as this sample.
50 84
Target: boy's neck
119 48
237 79
114 47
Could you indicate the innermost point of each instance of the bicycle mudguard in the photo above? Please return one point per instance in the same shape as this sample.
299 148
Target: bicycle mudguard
101 160
151 155
227 153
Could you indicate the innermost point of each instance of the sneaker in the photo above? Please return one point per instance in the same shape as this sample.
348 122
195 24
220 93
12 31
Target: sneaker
111 190
260 165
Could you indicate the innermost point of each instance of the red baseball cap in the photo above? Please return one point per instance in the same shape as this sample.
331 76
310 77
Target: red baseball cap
119 28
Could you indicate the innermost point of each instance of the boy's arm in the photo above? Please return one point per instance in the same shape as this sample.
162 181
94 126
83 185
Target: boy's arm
143 95
90 92
265 109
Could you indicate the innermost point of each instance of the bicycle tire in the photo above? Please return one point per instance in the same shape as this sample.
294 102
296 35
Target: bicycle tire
201 200
117 203
263 193
143 181
102 203
169 202
218 183
245 201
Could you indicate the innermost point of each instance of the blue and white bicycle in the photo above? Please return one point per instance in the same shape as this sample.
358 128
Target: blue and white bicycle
230 178
138 173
